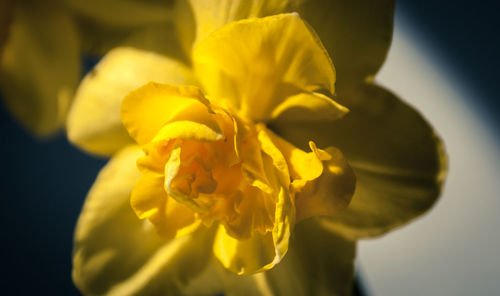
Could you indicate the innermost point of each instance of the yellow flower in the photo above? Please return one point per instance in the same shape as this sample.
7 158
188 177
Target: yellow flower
220 177
41 43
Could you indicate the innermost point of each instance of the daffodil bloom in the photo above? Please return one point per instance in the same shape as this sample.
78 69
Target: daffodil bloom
41 47
230 193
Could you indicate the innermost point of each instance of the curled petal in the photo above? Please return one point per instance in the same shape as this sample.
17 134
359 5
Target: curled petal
146 110
309 106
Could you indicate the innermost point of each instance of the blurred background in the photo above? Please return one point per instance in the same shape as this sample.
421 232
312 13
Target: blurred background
443 61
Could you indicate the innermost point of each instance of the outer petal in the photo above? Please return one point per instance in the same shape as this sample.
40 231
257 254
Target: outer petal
318 263
115 253
357 34
397 158
94 122
40 66
263 62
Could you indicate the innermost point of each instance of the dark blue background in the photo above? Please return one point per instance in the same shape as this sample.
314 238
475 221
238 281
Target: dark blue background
44 183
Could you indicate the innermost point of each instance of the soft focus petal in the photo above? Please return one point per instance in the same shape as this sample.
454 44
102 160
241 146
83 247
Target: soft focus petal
263 61
115 253
6 15
123 13
217 280
94 122
40 66
319 263
397 158
357 34
146 110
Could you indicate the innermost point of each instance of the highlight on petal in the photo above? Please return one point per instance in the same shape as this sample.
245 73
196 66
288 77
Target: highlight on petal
319 263
399 173
262 63
309 107
94 122
146 110
40 66
115 253
357 34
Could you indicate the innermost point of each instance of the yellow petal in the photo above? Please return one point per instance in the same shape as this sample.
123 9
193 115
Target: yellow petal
210 16
217 280
40 66
245 256
396 156
357 34
323 181
115 253
94 122
149 200
263 62
147 109
331 192
307 107
318 263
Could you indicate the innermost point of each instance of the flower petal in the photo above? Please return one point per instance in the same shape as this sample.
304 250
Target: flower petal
94 122
357 34
396 156
323 180
115 253
210 16
147 109
40 66
309 106
261 251
171 219
318 263
245 256
263 62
